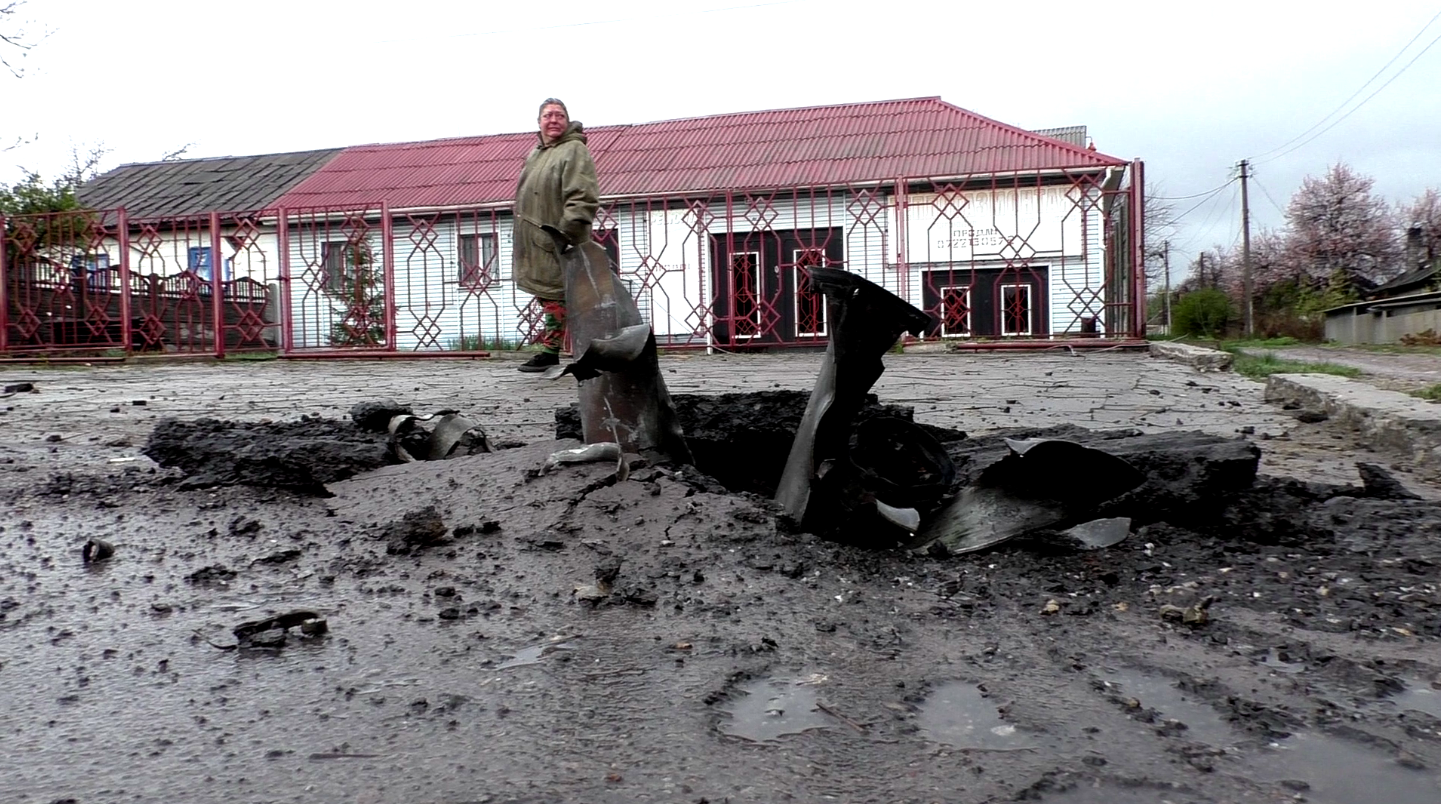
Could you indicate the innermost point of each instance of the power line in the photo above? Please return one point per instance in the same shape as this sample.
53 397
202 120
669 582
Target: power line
1267 193
1193 195
1206 225
1208 195
1363 102
1358 91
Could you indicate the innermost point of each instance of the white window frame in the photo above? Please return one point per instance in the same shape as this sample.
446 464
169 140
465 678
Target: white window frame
970 312
755 258
485 242
824 331
1001 309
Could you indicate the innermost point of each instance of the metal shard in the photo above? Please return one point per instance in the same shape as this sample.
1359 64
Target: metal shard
1043 483
622 395
864 321
907 519
1100 533
454 431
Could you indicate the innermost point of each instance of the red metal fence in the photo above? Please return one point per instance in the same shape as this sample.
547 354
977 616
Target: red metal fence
995 259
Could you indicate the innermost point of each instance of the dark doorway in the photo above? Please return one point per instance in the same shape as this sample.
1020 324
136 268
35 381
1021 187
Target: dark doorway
987 302
763 293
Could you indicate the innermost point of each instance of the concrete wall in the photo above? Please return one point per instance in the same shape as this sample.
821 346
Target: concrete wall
1360 325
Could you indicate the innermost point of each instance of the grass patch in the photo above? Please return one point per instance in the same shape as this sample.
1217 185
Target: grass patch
1261 343
479 343
1431 393
1259 367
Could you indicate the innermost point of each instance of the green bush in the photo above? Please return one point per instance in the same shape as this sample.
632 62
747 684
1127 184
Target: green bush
1203 313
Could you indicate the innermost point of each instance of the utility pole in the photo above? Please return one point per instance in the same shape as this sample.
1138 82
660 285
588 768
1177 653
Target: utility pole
1246 253
1166 261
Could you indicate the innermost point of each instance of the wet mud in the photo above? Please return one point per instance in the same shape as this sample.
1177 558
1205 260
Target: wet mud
495 633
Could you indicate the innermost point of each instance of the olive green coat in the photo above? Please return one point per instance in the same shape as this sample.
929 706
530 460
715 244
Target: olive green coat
557 187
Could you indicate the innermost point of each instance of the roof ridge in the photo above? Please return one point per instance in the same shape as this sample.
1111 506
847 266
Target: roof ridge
195 160
1031 134
791 109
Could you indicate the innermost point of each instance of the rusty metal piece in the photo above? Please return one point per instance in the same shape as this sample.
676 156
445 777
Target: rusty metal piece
96 550
1043 483
622 395
306 619
1198 613
452 434
865 320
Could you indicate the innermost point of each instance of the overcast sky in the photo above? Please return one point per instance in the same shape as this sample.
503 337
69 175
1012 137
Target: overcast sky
1189 88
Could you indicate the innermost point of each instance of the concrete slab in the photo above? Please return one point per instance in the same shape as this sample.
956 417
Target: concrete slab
1197 357
1387 419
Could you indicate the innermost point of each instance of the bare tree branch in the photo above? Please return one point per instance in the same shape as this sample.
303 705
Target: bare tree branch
178 153
13 35
84 165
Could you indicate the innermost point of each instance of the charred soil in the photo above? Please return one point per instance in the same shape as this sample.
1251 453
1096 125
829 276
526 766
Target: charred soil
495 633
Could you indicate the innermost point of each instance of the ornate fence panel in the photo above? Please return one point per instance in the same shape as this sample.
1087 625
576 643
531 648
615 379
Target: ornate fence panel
61 283
453 289
250 311
991 257
173 285
661 249
335 266
1018 257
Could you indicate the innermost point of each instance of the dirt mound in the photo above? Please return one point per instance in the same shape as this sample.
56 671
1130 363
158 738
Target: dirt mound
301 455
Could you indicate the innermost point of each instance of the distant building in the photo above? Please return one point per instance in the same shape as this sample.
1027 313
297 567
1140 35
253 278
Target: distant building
1409 304
1000 233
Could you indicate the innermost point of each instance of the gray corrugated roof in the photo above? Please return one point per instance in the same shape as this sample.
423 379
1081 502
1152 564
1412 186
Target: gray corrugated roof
1419 275
1075 135
198 186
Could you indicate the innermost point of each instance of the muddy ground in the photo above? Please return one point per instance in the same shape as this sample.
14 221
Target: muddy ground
470 655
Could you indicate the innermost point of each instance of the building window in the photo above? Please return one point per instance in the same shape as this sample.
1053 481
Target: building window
746 293
200 260
956 312
346 265
1016 310
810 303
477 260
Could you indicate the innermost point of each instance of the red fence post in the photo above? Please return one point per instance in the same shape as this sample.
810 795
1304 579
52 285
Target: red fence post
4 289
387 252
217 302
903 272
282 245
123 237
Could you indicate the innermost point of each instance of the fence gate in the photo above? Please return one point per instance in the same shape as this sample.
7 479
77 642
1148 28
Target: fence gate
335 265
59 291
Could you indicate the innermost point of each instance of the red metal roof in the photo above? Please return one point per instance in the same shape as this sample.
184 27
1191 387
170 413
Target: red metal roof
818 146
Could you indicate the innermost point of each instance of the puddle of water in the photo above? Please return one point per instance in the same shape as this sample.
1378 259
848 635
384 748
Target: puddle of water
1418 696
533 654
768 709
1342 772
1203 723
959 715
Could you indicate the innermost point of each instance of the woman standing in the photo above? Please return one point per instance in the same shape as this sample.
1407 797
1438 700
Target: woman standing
557 188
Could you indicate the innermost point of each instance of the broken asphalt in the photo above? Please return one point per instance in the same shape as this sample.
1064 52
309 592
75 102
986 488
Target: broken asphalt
472 656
